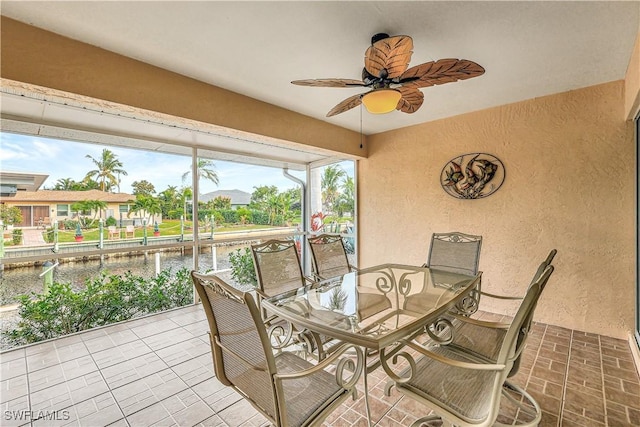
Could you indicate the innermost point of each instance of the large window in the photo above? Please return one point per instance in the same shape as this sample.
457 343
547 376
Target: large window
141 213
333 203
62 210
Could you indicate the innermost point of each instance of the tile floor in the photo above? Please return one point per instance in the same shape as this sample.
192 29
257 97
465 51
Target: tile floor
157 371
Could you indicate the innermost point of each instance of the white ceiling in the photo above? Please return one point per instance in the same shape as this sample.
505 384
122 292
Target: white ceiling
529 49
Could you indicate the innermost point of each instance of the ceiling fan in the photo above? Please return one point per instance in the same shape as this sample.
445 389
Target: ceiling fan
393 86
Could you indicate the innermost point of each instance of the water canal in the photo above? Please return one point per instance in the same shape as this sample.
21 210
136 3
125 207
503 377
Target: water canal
24 280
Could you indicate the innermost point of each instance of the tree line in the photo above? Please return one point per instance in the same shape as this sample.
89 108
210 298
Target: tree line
276 207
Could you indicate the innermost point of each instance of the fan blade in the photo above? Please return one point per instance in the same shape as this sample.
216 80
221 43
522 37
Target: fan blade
440 72
392 54
329 82
411 99
347 104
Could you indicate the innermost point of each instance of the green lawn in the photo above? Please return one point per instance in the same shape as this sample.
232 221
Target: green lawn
167 228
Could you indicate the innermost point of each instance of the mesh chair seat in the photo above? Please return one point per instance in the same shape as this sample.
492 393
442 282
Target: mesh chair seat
304 396
467 394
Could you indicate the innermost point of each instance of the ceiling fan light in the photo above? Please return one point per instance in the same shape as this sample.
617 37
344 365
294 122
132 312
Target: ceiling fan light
381 101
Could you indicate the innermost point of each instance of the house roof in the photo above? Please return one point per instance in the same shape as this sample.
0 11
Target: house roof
53 196
238 197
22 181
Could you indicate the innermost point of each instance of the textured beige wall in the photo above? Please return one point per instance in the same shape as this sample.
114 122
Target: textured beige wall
570 173
31 55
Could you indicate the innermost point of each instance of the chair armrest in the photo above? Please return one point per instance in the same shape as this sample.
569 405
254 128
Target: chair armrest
320 366
238 357
478 322
457 363
505 297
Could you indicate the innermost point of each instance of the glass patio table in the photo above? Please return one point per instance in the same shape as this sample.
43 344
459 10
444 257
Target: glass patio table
373 307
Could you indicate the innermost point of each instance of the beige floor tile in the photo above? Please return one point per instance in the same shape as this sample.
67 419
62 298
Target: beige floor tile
13 368
147 391
158 371
13 388
133 370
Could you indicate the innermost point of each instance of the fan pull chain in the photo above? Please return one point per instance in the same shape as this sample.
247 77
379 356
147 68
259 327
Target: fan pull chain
361 126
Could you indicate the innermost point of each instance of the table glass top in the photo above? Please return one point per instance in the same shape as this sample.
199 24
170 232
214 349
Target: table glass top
375 306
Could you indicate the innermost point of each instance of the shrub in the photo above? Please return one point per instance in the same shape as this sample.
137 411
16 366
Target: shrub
230 216
244 215
218 218
17 236
111 221
259 217
242 269
105 300
10 215
69 224
47 235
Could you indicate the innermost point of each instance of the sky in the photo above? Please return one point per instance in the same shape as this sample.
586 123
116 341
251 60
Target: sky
65 159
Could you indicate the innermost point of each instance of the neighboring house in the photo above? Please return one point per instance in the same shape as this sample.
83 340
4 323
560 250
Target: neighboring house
46 206
239 198
12 181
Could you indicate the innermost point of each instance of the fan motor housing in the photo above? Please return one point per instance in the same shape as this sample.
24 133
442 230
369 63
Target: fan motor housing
378 37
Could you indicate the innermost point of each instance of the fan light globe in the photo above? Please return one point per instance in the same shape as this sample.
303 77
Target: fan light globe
381 101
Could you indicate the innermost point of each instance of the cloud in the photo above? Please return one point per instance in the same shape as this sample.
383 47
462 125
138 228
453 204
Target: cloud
67 159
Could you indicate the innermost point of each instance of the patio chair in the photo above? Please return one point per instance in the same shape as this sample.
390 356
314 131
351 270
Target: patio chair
285 388
113 232
484 339
463 390
457 253
129 232
278 270
329 256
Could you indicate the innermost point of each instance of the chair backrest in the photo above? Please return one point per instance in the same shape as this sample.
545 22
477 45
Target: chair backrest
277 265
329 256
130 229
520 327
242 353
455 252
544 265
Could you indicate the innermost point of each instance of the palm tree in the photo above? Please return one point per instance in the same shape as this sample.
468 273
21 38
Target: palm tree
170 200
330 182
108 166
147 204
206 170
65 184
186 194
346 201
92 206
